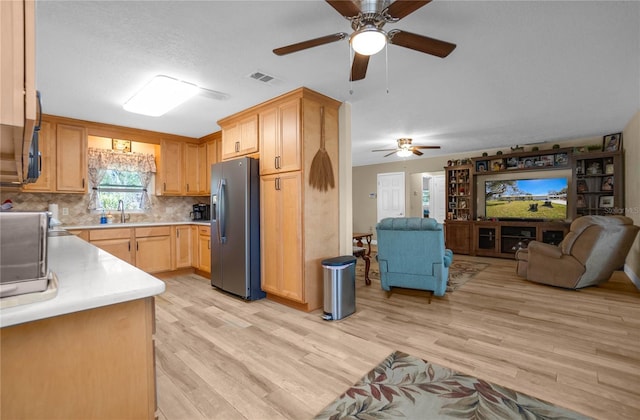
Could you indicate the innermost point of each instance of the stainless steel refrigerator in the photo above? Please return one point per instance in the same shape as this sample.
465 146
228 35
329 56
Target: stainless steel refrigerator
235 228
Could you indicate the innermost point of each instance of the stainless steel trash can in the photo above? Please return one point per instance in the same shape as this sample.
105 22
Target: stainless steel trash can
339 287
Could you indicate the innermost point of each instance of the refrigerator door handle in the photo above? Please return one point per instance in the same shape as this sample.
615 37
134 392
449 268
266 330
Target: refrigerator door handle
222 237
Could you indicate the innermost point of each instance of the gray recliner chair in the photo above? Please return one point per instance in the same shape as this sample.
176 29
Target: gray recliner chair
592 250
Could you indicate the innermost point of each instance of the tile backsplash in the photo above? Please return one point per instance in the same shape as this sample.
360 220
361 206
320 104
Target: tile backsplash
163 209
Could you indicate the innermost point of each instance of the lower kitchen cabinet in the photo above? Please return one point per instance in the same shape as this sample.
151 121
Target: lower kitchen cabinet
116 242
183 246
204 248
97 363
153 248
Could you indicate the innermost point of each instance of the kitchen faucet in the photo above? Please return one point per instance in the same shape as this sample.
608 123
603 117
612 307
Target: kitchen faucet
121 210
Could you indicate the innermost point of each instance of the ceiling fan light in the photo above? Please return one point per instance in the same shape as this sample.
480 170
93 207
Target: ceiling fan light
160 95
368 40
404 153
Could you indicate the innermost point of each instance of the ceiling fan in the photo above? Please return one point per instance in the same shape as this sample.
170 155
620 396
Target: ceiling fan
367 19
405 149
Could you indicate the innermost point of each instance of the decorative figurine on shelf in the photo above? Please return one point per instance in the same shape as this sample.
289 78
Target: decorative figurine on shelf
594 168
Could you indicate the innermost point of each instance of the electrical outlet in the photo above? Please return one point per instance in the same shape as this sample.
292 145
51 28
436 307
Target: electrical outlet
65 211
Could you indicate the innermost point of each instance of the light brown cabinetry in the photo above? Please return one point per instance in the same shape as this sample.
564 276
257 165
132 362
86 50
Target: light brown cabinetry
17 87
97 363
204 248
280 145
191 169
169 176
298 224
153 249
281 222
117 242
71 159
239 135
183 246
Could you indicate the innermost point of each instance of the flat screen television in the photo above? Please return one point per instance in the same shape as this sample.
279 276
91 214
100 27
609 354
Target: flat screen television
526 199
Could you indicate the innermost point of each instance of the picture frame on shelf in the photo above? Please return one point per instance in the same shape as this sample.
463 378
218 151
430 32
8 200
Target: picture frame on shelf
581 186
121 145
512 163
580 203
497 165
607 183
606 201
481 166
547 160
561 159
612 142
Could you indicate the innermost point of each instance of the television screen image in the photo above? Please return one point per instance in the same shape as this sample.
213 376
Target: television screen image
521 199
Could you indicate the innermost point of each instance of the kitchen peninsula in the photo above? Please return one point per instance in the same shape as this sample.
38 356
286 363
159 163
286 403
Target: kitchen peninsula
89 351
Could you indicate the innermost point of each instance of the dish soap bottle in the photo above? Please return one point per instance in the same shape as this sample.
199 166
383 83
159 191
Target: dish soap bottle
103 218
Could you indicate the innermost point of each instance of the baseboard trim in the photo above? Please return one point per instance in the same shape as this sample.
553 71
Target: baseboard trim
634 278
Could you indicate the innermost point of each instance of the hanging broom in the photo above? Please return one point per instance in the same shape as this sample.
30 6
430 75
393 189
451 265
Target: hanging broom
321 171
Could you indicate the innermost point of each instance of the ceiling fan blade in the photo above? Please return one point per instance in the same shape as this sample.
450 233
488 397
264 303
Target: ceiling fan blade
400 8
384 150
421 43
389 154
426 147
359 67
346 8
417 152
310 43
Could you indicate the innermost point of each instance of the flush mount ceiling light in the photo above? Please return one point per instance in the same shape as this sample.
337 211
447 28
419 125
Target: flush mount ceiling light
368 40
160 95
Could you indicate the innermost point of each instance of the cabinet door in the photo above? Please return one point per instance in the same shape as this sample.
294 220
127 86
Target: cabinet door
120 248
212 152
458 237
71 158
290 189
270 245
47 146
183 246
290 144
170 168
281 221
230 141
153 254
249 135
204 249
269 141
191 170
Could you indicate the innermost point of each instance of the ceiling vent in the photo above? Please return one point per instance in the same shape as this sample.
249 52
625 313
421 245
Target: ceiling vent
263 77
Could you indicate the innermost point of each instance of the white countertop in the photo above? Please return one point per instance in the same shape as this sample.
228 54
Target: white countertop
132 224
88 278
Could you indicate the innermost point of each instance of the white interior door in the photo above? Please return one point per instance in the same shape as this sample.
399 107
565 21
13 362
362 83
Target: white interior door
391 195
437 198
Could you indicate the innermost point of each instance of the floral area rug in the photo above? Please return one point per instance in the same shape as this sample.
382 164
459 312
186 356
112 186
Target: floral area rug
403 386
460 272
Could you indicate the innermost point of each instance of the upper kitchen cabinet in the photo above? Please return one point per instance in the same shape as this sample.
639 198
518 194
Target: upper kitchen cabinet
71 159
280 145
17 87
212 150
239 135
180 169
169 170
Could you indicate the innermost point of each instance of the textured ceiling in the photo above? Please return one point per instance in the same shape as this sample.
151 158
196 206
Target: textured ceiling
523 71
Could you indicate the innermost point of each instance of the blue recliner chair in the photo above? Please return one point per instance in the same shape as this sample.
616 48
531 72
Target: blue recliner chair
411 254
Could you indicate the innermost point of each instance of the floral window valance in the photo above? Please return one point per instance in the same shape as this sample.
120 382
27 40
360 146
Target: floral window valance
103 159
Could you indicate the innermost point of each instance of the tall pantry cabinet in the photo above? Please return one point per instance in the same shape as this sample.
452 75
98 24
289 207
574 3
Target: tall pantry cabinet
298 223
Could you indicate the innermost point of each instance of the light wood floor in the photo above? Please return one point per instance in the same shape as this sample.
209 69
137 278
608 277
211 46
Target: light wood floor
219 357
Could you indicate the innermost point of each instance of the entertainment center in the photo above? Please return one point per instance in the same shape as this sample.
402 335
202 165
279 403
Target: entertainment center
498 204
